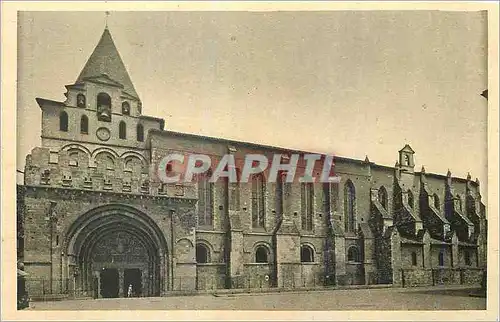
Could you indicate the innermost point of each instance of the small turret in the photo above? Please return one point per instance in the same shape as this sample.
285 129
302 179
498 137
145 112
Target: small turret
406 160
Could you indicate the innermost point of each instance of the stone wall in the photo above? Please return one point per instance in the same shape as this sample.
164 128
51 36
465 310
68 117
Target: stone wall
417 277
46 234
255 275
441 276
471 276
407 252
210 276
76 183
444 276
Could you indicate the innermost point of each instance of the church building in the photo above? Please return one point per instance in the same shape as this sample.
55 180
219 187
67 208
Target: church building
94 218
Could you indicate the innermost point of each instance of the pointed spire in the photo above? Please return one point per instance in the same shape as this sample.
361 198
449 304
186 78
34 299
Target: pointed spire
448 174
477 181
396 165
423 170
366 159
105 60
468 176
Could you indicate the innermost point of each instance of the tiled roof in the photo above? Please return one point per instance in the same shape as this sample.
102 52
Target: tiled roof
105 60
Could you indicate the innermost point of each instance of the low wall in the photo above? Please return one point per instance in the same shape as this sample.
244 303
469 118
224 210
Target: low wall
416 277
446 276
472 276
441 276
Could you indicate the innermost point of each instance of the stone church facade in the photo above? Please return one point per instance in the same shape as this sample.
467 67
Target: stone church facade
93 217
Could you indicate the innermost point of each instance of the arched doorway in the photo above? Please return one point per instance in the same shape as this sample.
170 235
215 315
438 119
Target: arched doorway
112 248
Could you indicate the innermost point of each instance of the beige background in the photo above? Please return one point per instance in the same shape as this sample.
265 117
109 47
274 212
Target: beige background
347 83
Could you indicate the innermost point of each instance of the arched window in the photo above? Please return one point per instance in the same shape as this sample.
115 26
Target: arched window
104 161
122 130
84 124
406 159
63 121
307 205
104 107
353 254
140 133
202 254
349 207
414 259
258 210
133 164
261 254
73 158
80 101
436 201
459 202
410 199
205 199
125 108
441 259
382 196
467 257
306 254
470 204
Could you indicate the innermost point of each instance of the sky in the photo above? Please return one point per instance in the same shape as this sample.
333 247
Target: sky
347 83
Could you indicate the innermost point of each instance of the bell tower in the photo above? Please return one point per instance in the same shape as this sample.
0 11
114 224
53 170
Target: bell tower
102 108
109 87
406 161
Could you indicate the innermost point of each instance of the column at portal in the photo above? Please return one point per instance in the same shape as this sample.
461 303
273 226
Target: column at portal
120 283
81 276
144 281
97 273
163 275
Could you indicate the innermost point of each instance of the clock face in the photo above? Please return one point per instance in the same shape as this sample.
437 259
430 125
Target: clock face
103 134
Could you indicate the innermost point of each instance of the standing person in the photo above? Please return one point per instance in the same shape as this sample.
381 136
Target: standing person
129 292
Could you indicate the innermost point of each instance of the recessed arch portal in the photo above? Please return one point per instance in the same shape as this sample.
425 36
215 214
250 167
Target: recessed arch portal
118 241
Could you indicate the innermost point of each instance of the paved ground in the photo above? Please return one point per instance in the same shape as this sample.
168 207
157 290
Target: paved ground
431 298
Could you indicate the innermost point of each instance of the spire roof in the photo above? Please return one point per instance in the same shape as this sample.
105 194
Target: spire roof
105 60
